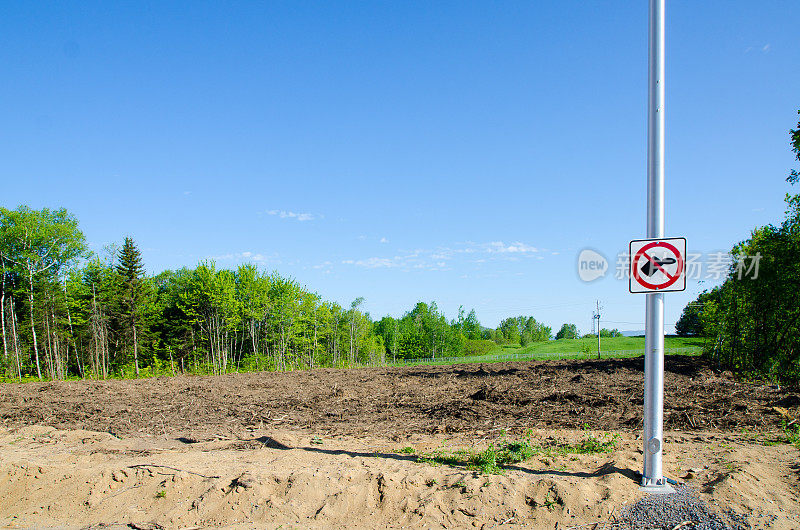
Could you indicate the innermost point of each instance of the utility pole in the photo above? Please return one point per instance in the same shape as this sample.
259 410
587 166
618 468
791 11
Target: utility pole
652 476
597 318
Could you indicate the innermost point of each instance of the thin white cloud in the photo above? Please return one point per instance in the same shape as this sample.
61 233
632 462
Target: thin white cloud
384 240
298 216
440 258
256 257
514 248
374 263
764 49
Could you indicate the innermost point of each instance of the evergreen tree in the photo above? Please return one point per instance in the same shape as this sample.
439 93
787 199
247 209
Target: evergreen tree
131 275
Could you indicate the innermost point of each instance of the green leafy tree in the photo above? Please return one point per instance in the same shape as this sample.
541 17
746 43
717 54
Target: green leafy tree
170 323
252 292
5 283
210 301
752 321
539 331
567 331
794 141
284 297
388 328
691 322
509 329
330 318
472 327
97 295
355 319
532 331
40 243
424 332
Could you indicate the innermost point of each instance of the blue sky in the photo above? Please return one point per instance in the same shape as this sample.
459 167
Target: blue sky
462 152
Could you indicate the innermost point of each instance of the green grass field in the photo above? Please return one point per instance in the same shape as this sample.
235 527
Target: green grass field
612 347
606 344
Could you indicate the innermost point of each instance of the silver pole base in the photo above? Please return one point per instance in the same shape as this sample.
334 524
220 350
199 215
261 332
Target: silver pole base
657 487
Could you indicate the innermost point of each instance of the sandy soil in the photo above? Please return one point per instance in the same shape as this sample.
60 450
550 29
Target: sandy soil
322 449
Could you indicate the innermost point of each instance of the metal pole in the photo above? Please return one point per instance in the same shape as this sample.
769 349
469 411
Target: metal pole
652 476
598 329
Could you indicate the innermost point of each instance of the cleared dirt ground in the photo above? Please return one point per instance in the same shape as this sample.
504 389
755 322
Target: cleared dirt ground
395 402
322 448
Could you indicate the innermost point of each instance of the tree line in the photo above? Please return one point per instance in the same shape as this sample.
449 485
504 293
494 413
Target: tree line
66 312
753 324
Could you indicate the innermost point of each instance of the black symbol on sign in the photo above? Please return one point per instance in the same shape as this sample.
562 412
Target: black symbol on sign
648 269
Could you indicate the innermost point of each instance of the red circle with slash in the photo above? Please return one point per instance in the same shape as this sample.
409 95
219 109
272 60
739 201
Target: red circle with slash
671 278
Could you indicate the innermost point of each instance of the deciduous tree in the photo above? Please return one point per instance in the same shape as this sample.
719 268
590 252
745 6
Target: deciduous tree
40 242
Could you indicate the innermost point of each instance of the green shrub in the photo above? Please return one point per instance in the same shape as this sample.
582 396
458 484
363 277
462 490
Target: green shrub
792 431
478 347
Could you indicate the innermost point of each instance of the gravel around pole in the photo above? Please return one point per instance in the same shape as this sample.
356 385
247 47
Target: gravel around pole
679 510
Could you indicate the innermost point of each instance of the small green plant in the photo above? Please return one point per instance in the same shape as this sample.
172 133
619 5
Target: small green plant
408 450
493 459
485 461
604 444
440 457
431 482
792 432
161 494
490 461
548 502
590 444
316 440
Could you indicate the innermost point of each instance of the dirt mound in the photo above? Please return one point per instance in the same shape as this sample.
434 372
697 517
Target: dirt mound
80 479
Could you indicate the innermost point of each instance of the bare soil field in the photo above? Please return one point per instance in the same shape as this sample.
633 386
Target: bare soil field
329 448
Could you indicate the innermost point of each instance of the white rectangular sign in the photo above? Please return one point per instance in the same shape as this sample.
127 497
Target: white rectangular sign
657 265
